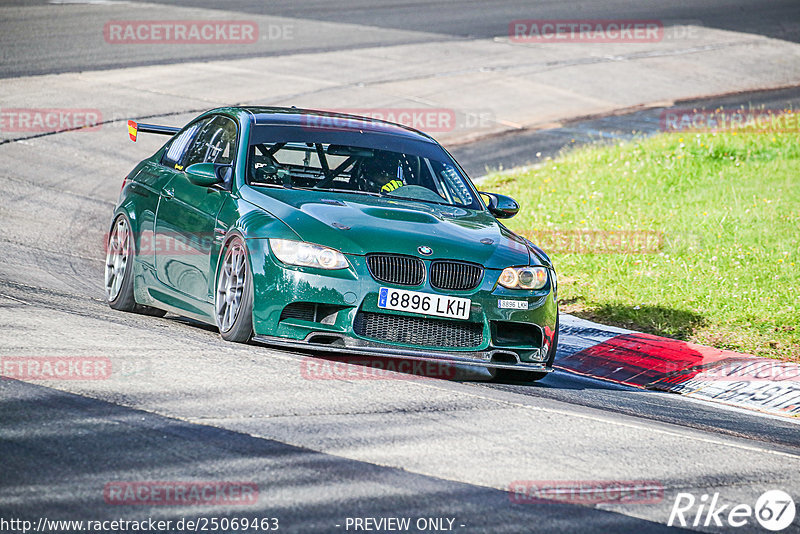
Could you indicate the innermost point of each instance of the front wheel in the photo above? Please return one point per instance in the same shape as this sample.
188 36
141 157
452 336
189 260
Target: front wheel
234 296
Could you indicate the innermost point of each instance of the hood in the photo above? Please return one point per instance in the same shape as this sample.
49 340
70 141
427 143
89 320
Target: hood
359 224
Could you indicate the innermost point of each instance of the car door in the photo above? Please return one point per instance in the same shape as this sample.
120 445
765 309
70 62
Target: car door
187 213
147 184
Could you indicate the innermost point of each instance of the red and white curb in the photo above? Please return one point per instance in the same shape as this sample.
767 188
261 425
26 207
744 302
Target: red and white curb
653 362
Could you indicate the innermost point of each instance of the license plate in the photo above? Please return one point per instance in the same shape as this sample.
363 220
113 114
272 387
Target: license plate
423 303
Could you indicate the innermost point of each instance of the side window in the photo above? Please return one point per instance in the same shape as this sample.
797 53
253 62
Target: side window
215 142
174 154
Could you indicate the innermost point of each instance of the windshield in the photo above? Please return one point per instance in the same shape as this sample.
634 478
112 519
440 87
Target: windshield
359 169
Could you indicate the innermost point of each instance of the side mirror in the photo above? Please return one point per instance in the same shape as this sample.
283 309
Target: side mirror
501 206
203 174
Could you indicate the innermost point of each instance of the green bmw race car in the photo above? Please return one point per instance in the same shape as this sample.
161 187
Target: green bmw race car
331 232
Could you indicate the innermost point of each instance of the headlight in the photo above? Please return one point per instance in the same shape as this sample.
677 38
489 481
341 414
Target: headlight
523 277
307 254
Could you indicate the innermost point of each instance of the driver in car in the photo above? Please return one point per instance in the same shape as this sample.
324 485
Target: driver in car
385 174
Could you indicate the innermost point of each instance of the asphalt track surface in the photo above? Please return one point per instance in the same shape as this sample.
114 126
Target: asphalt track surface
185 405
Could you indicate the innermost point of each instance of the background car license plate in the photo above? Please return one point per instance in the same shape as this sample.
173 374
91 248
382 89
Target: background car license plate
424 303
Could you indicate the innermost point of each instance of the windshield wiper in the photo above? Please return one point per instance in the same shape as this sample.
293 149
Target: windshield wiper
370 193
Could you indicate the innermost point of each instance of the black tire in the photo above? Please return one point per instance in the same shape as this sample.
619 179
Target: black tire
514 375
551 354
241 328
124 299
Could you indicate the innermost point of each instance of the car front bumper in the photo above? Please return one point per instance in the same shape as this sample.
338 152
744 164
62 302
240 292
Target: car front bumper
508 338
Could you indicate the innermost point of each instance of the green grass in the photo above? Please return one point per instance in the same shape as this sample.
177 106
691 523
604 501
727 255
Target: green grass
727 206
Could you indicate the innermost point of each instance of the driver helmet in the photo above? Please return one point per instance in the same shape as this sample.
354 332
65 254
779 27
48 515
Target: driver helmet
383 172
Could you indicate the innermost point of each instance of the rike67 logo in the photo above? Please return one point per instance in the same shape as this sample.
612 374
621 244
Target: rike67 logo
774 510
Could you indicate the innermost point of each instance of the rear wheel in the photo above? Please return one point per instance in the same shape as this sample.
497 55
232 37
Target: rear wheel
234 295
119 271
513 375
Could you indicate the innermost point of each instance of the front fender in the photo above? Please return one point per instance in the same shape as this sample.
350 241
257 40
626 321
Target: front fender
259 224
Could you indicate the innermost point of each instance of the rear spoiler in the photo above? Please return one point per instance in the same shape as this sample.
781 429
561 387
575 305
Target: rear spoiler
134 128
